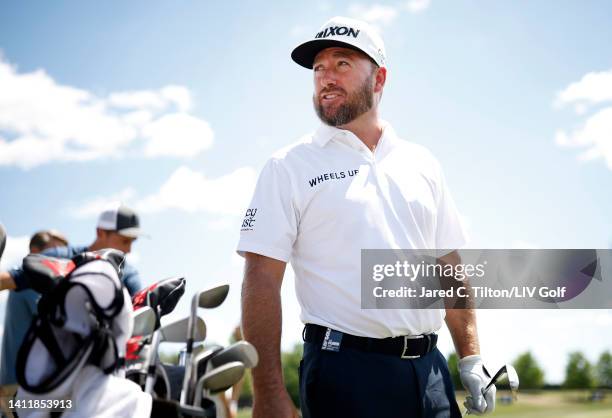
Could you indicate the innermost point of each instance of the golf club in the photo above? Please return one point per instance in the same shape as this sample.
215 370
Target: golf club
513 381
241 351
170 333
218 379
174 331
200 363
208 299
144 322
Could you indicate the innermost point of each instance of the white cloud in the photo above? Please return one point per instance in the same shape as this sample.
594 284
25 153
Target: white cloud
375 13
179 95
137 99
189 191
595 134
42 121
96 205
417 6
153 99
177 134
595 87
16 248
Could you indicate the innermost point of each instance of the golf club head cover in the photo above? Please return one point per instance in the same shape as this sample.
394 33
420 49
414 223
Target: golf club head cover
134 347
475 377
42 273
162 296
115 257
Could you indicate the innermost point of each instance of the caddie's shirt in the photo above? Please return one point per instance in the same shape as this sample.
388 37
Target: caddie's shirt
318 202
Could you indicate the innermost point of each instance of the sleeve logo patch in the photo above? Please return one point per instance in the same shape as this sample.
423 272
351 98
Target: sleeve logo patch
248 222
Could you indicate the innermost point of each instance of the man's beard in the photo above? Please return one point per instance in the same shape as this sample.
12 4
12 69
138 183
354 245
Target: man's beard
355 105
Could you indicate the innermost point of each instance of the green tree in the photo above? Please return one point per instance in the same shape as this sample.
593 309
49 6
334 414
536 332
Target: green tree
530 373
291 364
604 370
578 372
453 367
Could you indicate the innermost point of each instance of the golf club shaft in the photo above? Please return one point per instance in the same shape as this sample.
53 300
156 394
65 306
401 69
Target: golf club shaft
151 363
487 388
190 337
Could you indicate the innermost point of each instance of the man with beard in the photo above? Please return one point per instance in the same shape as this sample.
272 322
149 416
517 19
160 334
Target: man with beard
352 185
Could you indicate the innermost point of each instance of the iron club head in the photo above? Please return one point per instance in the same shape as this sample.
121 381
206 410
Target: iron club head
241 351
223 377
144 322
506 370
175 331
513 381
211 298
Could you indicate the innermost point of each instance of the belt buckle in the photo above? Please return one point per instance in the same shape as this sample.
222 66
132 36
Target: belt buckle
406 338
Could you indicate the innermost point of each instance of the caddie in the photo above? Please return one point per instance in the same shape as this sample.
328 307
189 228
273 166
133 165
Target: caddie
353 184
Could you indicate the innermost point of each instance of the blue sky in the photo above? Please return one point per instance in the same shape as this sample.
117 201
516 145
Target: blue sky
173 107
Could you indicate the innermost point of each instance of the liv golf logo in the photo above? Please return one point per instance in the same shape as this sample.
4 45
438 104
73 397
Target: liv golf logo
337 30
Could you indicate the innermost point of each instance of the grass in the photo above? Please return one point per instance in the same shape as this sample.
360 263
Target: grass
544 404
244 413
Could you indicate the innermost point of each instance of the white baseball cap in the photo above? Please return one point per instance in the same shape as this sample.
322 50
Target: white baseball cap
346 33
121 219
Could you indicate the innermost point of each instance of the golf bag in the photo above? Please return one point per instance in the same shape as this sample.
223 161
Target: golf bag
75 346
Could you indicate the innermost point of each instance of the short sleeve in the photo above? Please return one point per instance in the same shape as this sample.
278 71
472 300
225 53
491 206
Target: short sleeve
450 231
269 226
131 279
19 278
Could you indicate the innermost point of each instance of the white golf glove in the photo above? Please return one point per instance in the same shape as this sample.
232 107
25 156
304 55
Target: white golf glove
475 378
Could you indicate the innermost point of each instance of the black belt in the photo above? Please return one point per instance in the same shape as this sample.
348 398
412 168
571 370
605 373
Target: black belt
406 347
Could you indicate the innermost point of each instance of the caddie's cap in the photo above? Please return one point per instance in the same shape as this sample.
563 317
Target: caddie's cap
121 219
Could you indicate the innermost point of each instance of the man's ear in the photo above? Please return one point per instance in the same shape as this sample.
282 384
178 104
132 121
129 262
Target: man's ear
380 79
100 233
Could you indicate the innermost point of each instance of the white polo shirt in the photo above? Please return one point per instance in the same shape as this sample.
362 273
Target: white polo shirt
318 202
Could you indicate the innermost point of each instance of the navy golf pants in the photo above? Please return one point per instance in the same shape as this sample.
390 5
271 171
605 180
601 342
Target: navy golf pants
358 384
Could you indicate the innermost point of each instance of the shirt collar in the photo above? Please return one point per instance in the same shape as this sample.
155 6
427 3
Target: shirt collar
326 133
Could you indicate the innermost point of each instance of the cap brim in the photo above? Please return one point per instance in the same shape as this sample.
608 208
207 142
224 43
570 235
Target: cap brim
132 233
304 54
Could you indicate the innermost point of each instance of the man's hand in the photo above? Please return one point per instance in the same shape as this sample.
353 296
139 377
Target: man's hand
6 281
277 405
475 378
